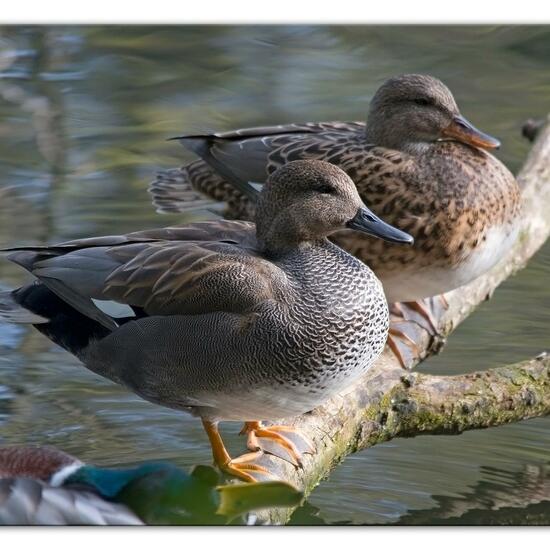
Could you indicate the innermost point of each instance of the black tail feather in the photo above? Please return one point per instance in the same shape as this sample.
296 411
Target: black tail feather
12 312
55 318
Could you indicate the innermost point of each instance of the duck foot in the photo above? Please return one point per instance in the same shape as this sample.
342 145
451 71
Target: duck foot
407 321
281 441
425 313
243 466
423 309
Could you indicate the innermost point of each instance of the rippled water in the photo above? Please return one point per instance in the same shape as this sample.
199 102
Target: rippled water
84 114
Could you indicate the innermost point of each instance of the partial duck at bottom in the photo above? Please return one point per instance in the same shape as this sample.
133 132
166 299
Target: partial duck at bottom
45 486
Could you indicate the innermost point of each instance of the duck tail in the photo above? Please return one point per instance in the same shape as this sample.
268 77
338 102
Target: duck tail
37 305
181 190
12 311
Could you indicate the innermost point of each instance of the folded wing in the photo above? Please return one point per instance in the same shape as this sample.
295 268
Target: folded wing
245 155
198 268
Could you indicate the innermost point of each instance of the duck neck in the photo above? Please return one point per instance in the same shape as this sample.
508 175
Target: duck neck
282 231
109 483
279 244
393 136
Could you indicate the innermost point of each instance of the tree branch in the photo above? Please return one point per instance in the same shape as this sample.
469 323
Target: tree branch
424 404
389 402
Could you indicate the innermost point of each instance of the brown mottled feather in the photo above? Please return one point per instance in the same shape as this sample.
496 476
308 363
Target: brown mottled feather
36 462
447 221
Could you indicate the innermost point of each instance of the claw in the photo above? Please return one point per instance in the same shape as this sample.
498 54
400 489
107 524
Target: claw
281 441
243 466
407 319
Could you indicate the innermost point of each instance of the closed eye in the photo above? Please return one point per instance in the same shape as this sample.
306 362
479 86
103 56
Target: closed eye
326 189
425 102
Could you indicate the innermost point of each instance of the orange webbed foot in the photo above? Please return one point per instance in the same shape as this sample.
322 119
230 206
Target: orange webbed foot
284 442
243 467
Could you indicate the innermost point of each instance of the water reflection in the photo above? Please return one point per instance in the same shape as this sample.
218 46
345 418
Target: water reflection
504 498
84 114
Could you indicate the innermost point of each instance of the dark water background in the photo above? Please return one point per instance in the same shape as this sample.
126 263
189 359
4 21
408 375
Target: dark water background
84 114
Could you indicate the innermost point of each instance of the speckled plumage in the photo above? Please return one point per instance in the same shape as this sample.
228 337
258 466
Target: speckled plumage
460 203
25 501
226 319
41 463
277 358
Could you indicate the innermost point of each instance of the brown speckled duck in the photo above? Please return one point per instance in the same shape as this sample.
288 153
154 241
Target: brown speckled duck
225 319
418 163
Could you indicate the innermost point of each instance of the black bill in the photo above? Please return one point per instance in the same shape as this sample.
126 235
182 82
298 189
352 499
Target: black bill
367 222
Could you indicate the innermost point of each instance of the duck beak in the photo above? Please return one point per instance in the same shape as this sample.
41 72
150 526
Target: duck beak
461 130
366 222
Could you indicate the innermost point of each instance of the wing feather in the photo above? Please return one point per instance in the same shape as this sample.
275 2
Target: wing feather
25 501
198 268
244 155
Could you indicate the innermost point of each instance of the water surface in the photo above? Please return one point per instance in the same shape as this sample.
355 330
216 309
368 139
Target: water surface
84 115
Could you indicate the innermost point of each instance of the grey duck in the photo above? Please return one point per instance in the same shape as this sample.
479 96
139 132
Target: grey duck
225 319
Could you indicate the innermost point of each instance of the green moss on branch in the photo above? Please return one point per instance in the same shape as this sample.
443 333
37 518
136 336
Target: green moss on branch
425 404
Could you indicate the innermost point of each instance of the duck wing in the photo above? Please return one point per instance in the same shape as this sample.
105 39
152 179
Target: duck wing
197 268
382 176
243 156
229 161
25 501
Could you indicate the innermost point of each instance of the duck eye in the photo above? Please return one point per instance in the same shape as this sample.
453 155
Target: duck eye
425 102
326 189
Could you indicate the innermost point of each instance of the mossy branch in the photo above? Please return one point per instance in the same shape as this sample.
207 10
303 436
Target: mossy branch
390 402
425 404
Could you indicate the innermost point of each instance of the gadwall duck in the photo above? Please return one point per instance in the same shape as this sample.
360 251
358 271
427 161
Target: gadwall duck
418 163
45 486
225 319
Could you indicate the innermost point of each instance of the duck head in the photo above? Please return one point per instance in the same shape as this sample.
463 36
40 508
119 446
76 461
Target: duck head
410 111
304 201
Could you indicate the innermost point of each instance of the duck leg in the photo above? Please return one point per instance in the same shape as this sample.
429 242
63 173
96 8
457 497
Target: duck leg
402 346
242 467
423 309
281 441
